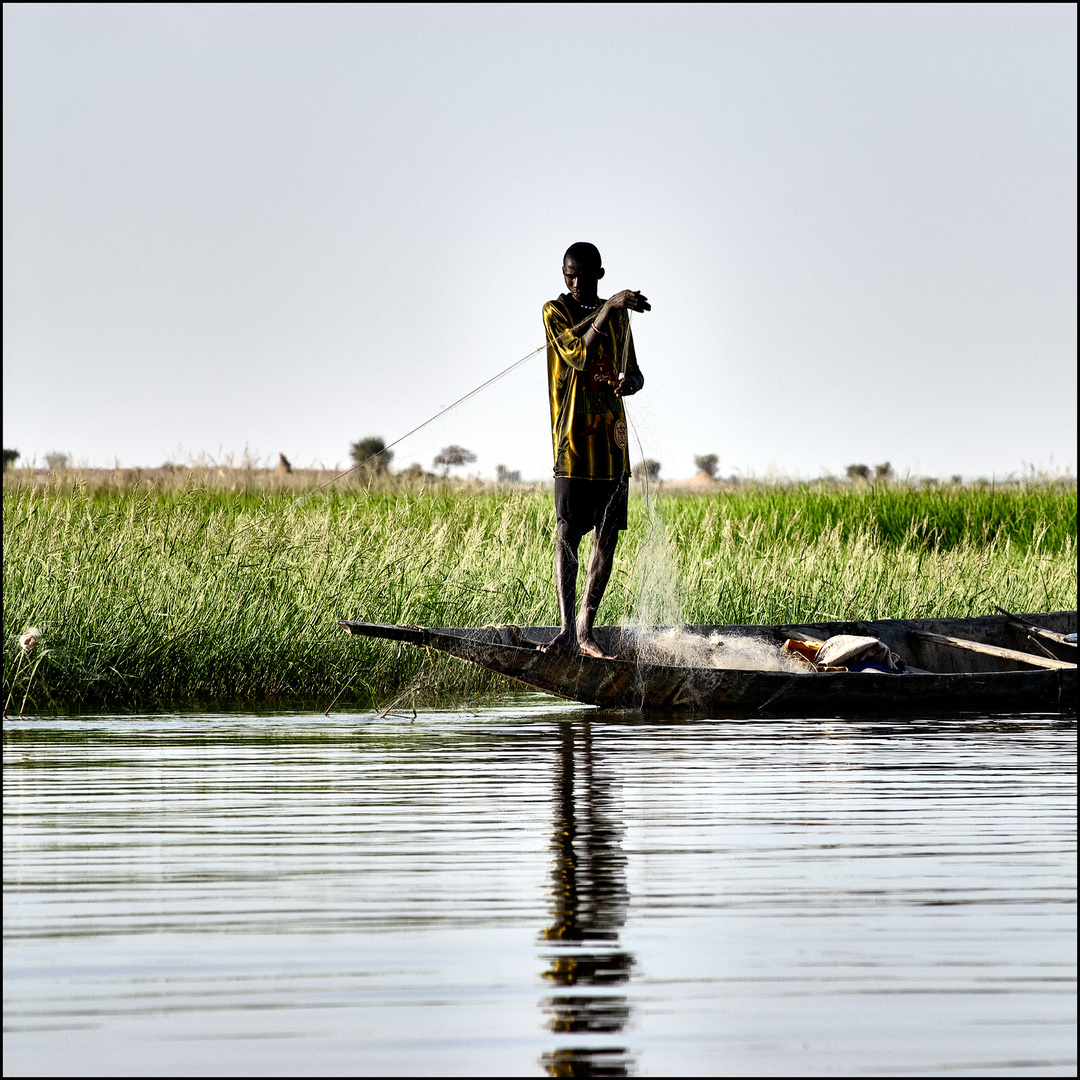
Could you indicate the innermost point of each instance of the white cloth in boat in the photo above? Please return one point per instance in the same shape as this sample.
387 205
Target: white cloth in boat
843 650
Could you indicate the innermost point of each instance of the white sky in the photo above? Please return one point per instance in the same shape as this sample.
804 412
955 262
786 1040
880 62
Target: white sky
288 227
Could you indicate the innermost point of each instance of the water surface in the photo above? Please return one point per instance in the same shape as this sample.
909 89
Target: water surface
533 889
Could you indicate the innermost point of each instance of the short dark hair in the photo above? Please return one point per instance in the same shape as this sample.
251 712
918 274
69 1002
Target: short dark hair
584 254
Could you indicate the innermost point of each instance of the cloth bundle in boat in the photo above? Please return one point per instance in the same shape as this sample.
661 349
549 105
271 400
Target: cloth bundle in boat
857 653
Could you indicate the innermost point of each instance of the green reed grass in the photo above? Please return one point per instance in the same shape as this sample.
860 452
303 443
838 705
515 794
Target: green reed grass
936 516
147 599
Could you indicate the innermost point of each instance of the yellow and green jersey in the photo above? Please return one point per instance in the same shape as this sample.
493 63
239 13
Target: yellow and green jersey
588 423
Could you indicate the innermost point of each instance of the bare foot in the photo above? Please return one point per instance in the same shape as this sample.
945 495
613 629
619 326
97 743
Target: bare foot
589 647
563 641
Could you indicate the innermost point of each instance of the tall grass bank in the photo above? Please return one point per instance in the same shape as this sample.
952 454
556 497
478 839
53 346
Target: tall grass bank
147 600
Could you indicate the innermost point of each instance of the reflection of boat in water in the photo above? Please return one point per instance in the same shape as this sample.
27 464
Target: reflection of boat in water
990 664
589 899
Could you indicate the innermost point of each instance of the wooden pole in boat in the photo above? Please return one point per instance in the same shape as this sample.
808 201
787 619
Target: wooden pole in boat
997 651
1027 624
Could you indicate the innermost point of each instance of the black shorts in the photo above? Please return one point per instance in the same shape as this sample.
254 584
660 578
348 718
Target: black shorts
591 504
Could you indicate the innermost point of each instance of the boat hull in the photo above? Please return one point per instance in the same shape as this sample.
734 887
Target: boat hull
732 692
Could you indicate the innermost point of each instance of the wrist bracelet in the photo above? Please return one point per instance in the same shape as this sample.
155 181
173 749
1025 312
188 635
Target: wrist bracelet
596 330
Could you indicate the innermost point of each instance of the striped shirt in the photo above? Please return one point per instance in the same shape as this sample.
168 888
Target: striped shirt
588 423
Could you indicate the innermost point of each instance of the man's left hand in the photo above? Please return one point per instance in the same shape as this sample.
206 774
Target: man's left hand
603 372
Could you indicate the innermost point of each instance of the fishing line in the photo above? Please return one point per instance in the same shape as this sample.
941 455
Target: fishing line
633 426
442 412
656 570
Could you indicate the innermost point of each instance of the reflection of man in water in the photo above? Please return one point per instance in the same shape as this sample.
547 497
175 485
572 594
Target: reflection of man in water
591 368
589 901
589 893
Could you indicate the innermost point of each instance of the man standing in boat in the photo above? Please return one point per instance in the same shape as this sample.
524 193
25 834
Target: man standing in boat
591 367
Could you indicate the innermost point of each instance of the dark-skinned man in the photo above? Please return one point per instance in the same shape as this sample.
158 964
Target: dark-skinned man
591 367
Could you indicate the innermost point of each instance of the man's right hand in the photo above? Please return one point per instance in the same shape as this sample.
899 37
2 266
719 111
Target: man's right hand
630 300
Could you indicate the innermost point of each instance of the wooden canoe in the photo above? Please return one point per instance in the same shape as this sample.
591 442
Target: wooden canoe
987 665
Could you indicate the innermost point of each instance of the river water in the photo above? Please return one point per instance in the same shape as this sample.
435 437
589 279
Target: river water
530 889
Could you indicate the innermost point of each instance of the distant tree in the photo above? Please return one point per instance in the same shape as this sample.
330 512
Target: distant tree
10 457
708 464
884 472
858 472
372 454
957 478
56 460
453 457
507 476
651 468
284 465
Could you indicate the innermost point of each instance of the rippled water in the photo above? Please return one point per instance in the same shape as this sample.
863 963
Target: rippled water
531 889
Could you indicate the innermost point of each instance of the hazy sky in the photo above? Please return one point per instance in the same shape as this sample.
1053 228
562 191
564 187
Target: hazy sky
287 227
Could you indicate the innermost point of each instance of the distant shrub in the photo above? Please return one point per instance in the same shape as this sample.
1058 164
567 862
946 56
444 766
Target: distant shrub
371 453
507 476
10 457
453 457
56 461
858 472
651 468
708 464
